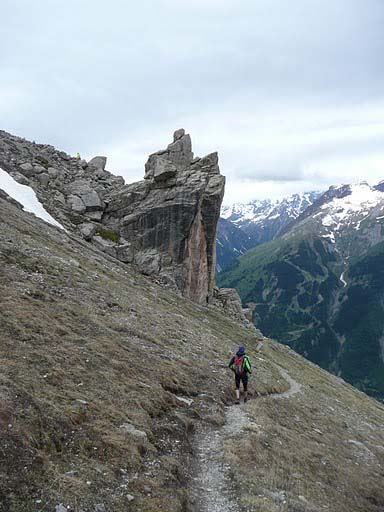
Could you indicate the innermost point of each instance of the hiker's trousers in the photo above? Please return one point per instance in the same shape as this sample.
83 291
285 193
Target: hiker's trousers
243 379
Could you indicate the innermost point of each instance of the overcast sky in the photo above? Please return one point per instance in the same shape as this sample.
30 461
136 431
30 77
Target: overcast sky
290 92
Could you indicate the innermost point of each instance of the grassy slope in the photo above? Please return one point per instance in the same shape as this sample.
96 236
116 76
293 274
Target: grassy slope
76 325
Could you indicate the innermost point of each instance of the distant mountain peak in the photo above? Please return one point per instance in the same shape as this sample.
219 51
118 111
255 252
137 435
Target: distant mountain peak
360 202
245 225
260 210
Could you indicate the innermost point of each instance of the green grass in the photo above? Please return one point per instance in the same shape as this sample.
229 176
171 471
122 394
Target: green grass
109 235
42 161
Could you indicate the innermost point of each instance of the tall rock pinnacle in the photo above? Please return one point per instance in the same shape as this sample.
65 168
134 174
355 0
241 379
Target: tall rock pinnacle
166 224
170 218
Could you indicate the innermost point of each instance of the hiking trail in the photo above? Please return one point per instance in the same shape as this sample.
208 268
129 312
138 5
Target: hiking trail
212 488
294 388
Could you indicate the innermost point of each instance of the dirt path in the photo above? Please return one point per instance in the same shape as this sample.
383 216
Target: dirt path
213 488
295 387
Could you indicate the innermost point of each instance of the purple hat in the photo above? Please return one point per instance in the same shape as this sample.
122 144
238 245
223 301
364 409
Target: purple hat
241 350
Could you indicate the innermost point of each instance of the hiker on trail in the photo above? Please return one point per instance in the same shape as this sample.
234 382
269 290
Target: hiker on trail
241 366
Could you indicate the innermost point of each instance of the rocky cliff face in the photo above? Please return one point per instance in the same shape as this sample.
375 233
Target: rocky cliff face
166 224
169 220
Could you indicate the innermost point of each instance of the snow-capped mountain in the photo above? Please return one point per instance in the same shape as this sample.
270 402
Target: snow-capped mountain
260 211
344 210
351 210
260 221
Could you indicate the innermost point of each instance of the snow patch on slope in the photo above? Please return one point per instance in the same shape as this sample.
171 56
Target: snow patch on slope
343 280
26 196
331 237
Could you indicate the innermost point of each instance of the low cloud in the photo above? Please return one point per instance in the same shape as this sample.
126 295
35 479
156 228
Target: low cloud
287 92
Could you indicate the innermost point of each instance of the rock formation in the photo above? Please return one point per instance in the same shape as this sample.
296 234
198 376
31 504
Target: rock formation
166 223
229 300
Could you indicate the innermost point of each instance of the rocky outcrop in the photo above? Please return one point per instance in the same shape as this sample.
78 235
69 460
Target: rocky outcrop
71 190
229 300
166 224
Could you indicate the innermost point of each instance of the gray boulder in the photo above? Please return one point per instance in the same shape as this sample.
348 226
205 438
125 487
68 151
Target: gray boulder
37 169
133 431
43 179
92 200
159 168
27 169
52 172
87 230
99 162
179 152
76 204
178 134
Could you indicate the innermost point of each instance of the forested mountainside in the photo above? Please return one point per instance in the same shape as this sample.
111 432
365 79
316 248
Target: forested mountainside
116 396
244 226
319 288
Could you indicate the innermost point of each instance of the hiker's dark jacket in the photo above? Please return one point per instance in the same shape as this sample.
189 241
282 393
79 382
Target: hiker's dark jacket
246 363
